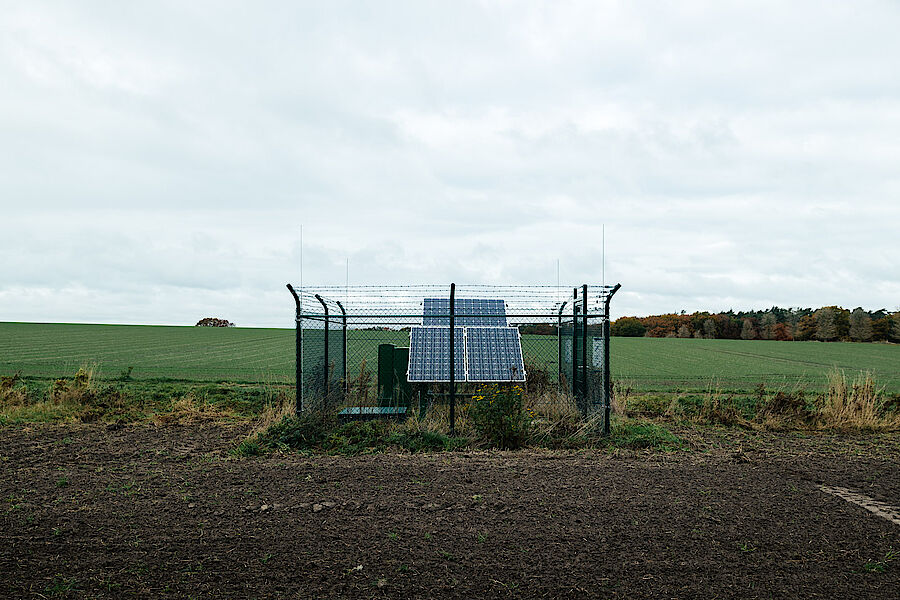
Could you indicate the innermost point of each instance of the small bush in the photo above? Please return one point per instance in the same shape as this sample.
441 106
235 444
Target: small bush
11 393
499 417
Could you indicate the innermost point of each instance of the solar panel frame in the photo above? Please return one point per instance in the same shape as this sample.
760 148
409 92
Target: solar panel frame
429 354
469 312
494 354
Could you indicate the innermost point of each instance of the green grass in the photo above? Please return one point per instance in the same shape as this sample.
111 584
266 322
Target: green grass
245 355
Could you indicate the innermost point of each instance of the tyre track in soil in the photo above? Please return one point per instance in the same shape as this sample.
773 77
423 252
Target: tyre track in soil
165 512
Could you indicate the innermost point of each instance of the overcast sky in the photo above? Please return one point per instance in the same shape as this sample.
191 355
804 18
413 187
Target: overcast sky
157 159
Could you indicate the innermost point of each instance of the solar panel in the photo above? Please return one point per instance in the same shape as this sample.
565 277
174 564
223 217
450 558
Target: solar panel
429 354
494 354
469 312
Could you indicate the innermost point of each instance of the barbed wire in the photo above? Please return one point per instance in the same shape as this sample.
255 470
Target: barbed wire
404 303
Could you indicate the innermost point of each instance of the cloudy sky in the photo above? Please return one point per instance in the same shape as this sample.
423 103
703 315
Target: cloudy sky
158 159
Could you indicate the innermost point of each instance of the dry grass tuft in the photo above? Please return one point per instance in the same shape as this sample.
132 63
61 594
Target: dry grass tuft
857 405
719 410
277 407
188 409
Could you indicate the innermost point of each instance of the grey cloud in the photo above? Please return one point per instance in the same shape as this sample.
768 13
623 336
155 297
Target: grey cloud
157 159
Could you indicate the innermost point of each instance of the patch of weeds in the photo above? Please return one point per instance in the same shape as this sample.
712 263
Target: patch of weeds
477 498
359 437
393 536
403 569
248 447
62 585
266 558
747 548
293 432
637 435
315 431
481 538
446 555
880 566
62 482
426 441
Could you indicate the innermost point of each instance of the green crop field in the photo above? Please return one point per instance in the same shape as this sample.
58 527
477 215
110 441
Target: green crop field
267 356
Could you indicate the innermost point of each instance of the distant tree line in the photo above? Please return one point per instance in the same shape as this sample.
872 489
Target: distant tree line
826 324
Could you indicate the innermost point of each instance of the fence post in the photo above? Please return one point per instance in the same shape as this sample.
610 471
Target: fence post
452 359
584 367
575 348
298 371
325 306
344 349
559 356
607 377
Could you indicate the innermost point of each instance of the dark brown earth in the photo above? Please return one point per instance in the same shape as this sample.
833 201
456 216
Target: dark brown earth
166 512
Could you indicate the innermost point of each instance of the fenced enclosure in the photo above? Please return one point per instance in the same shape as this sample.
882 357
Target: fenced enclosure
390 347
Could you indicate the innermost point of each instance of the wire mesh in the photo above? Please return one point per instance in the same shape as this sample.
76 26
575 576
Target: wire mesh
363 358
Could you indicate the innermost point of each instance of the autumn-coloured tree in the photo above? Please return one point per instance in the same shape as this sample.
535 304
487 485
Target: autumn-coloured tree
881 328
767 326
782 332
826 329
860 326
748 331
806 328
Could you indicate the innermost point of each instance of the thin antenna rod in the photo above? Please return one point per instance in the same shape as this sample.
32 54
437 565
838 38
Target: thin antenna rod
557 280
301 257
603 268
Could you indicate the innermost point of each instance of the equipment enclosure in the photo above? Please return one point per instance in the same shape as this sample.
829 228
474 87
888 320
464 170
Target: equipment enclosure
353 346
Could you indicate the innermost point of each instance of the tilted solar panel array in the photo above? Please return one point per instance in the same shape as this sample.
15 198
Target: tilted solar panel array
469 312
486 349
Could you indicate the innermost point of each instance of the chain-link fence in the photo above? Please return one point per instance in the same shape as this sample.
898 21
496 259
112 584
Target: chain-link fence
353 346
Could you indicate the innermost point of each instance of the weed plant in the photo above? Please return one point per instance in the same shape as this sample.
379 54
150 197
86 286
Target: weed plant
499 416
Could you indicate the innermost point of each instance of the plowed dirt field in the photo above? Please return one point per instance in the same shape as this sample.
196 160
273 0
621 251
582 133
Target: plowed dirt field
148 512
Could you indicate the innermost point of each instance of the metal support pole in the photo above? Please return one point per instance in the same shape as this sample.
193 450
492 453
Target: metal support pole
560 342
344 350
298 399
325 306
607 377
575 347
452 359
584 367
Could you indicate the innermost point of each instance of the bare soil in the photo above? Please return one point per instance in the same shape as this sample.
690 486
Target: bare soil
166 511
